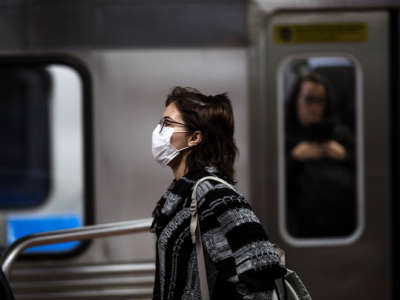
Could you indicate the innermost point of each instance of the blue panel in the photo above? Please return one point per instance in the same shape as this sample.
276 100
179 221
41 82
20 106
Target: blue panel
18 227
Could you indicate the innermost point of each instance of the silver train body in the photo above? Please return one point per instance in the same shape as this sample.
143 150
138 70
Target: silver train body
114 62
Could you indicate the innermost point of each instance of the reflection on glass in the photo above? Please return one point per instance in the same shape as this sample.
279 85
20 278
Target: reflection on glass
320 148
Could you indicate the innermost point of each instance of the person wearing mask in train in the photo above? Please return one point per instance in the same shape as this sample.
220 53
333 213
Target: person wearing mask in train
195 138
320 180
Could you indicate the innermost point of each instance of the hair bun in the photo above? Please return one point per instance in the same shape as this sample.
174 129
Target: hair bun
219 98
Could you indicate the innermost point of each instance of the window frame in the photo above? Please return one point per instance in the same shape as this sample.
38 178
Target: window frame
88 194
359 153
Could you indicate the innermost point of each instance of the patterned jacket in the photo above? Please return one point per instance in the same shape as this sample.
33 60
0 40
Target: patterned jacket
241 262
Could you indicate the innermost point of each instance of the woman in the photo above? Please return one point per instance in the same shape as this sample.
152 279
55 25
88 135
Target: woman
319 163
195 139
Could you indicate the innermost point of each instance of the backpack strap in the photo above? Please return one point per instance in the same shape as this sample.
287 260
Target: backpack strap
196 236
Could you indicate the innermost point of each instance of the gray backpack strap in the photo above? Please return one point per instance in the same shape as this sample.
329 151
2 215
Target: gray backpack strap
196 236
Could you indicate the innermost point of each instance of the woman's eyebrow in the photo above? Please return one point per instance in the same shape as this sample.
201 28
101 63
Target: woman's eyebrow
168 118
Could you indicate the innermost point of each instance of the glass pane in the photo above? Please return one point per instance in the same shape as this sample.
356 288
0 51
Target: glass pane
319 140
24 130
41 160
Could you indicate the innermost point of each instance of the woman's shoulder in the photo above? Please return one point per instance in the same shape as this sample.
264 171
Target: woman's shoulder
211 193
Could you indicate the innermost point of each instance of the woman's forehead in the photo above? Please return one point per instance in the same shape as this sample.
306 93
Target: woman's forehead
172 112
314 88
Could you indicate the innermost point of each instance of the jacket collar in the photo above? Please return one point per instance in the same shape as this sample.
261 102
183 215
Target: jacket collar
176 197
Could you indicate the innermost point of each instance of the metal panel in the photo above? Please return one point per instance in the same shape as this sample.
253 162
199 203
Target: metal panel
61 25
107 281
172 25
12 28
354 266
272 5
44 24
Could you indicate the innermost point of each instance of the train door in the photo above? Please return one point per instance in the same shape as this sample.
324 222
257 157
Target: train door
324 107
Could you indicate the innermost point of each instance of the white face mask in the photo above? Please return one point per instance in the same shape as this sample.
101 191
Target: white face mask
163 151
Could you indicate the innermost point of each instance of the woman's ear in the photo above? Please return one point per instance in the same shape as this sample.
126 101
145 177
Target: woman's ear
195 138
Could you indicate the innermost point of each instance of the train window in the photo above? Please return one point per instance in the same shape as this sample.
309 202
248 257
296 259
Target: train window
319 134
24 155
42 154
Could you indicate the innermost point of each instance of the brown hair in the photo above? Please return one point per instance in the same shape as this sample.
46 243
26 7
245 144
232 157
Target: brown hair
213 116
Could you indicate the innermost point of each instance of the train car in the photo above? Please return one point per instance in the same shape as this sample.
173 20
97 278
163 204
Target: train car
84 84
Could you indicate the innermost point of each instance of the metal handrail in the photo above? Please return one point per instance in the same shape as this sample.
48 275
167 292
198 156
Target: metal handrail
67 235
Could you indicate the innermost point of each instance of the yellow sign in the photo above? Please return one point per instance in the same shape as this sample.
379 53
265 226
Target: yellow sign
320 33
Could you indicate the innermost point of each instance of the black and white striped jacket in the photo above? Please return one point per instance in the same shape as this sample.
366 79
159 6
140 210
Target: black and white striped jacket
241 262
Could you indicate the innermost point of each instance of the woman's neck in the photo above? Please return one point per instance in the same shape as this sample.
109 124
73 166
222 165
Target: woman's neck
179 167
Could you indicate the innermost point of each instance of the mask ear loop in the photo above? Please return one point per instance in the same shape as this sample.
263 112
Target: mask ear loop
187 147
184 148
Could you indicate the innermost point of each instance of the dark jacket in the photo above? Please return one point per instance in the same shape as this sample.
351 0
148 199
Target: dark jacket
240 259
320 193
5 290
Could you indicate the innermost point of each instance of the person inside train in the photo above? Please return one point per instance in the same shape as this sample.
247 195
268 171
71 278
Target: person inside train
195 138
320 163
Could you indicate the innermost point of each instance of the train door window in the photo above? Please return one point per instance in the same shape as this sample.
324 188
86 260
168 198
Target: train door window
319 143
42 154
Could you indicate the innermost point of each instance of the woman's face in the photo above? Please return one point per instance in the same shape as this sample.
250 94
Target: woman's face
178 139
311 103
